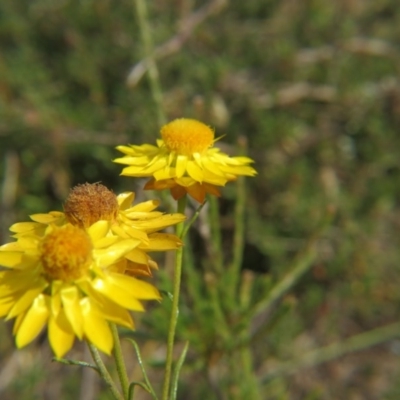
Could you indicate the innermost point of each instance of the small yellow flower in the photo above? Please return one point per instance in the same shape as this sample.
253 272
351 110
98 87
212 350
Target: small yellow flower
89 203
64 278
184 161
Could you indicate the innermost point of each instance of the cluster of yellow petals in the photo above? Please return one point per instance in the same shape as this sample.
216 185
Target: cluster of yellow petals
184 161
76 271
89 203
76 277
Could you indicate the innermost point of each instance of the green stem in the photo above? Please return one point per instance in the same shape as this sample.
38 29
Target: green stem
355 343
193 219
154 78
76 363
119 361
147 385
175 305
238 238
104 373
247 378
175 378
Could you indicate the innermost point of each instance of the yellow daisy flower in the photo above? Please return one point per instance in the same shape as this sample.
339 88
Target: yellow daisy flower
64 279
184 161
89 203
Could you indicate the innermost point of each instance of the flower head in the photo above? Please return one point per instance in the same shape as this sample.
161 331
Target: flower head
89 203
64 278
184 161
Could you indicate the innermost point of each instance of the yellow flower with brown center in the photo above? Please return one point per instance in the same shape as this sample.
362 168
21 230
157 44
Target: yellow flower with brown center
184 161
89 203
64 278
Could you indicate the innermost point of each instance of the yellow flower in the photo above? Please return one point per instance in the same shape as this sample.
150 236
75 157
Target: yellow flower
184 161
89 203
63 278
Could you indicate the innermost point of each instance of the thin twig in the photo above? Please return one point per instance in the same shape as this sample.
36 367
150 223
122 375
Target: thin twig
104 372
119 361
76 363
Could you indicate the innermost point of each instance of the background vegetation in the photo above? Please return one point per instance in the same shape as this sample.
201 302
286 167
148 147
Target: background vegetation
313 86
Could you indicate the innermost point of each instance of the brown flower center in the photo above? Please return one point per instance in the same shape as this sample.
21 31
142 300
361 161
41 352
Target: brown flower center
89 203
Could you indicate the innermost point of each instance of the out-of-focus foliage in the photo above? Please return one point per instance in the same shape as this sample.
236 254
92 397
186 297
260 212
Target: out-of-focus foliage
314 87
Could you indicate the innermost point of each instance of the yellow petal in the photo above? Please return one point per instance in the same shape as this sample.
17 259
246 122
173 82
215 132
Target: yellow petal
10 258
27 299
55 298
238 170
33 323
98 230
137 288
16 281
107 256
145 206
18 322
96 329
240 160
211 166
137 216
134 171
145 170
126 231
164 173
23 227
47 218
210 177
111 311
132 160
163 242
119 231
29 243
138 270
71 303
180 168
105 242
61 336
116 294
124 149
159 223
12 246
125 200
194 171
5 306
137 256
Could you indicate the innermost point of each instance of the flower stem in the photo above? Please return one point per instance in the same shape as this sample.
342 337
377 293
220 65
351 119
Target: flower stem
175 306
104 373
119 361
238 238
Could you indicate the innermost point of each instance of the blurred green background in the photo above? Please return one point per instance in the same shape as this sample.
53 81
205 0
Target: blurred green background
314 87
